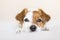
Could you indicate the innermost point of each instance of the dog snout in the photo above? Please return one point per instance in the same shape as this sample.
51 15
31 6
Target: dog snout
33 28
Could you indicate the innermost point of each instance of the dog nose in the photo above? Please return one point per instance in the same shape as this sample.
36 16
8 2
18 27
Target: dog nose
33 28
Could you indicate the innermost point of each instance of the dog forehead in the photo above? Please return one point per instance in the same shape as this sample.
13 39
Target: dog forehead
29 15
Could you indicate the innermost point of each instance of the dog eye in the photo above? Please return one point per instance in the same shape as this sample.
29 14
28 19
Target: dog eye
39 20
26 20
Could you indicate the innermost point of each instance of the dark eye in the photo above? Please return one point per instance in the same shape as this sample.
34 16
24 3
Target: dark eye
26 20
39 20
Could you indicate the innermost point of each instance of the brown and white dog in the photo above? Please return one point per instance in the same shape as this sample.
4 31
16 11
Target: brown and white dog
32 20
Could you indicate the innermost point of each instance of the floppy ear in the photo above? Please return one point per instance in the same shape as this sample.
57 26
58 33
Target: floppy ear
45 17
21 15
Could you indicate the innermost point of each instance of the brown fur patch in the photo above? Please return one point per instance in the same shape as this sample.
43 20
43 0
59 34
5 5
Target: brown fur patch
21 15
40 14
45 17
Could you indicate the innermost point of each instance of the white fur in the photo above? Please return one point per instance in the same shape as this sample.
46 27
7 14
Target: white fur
26 25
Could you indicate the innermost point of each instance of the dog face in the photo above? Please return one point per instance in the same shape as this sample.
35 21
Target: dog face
32 20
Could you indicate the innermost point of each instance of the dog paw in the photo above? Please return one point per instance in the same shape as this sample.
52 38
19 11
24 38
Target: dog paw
45 29
18 30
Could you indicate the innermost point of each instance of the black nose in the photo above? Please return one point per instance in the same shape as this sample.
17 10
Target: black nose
33 28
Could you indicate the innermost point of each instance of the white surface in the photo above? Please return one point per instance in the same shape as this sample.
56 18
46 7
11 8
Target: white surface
8 24
8 32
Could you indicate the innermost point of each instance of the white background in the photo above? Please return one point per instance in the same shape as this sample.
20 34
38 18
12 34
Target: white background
8 24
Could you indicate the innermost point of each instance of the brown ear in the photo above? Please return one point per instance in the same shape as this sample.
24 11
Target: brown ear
45 17
21 15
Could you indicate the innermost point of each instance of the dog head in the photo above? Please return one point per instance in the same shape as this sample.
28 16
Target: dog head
32 20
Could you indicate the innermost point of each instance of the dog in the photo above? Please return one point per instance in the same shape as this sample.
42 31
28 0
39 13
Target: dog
32 21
